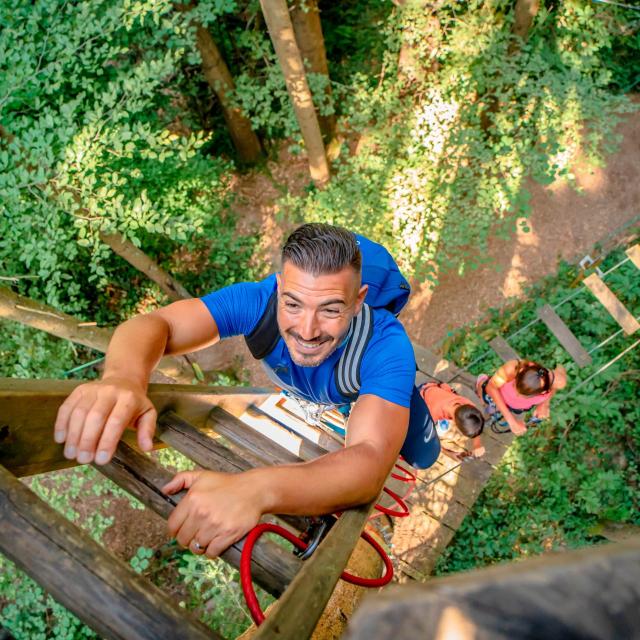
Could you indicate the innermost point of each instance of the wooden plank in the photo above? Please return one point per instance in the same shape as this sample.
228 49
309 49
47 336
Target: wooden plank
611 303
272 567
564 335
563 594
503 349
439 368
634 254
28 410
248 439
299 609
100 589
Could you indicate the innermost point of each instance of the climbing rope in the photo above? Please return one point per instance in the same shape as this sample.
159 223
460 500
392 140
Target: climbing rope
245 565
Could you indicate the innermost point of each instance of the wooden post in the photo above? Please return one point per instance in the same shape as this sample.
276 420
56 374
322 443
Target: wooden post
305 17
142 262
299 609
276 15
101 590
219 78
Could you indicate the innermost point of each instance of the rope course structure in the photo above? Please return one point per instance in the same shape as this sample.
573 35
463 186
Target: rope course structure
233 430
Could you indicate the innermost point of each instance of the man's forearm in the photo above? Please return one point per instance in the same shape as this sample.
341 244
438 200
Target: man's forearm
335 481
136 348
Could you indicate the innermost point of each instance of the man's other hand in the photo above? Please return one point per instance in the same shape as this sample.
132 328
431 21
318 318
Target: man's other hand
91 420
217 511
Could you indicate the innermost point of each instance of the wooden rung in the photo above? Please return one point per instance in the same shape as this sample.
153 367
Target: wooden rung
248 439
29 409
564 335
611 303
504 350
634 254
299 609
100 589
200 446
272 567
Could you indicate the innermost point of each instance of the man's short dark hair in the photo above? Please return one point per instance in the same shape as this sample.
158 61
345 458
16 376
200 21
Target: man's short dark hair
469 420
318 248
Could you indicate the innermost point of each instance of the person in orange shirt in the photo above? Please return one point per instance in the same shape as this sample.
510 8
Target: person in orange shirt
449 409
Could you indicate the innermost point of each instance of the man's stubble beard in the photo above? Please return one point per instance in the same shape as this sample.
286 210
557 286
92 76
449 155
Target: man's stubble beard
305 363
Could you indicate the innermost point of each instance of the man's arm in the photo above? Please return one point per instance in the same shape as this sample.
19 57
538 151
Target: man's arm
219 509
91 420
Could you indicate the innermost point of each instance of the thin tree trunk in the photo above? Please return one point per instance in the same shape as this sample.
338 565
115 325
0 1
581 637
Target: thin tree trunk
525 13
276 15
307 26
219 78
410 66
40 316
141 261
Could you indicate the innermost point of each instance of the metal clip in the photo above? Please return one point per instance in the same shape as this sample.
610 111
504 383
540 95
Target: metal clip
314 534
587 262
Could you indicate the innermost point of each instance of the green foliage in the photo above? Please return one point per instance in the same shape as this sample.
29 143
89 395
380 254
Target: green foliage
581 468
88 146
442 162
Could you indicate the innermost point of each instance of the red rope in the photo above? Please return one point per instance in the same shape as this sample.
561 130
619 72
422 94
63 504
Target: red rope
408 477
390 512
245 565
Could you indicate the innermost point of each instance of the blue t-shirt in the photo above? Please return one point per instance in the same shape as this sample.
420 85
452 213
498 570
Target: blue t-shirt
388 364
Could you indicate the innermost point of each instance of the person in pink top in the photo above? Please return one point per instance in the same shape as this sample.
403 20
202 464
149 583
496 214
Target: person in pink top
518 386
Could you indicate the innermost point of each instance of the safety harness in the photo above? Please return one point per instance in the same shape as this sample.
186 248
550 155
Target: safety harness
264 338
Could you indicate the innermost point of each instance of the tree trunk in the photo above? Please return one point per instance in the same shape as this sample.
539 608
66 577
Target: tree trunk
525 12
219 78
307 26
141 261
39 316
276 15
410 66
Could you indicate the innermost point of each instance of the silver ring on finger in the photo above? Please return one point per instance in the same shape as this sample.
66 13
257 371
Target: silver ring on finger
196 545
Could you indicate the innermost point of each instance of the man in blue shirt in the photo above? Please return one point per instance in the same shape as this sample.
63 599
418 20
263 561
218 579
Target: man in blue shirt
328 347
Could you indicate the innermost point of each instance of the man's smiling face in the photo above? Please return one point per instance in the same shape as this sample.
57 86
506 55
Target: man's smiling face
315 311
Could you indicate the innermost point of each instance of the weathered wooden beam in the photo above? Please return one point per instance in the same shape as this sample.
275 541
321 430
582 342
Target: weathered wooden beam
608 299
272 567
28 410
564 335
297 612
144 263
589 593
504 350
244 437
101 590
40 316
